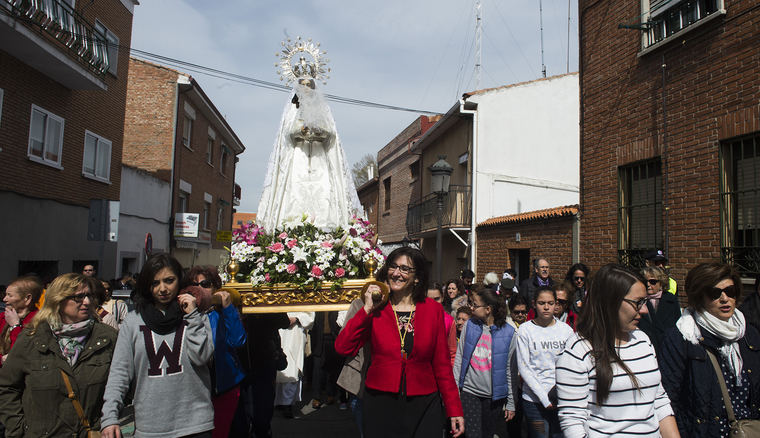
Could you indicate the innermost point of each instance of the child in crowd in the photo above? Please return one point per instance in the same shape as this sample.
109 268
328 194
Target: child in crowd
482 365
463 314
539 342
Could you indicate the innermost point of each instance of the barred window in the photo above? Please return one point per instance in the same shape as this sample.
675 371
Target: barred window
639 211
740 203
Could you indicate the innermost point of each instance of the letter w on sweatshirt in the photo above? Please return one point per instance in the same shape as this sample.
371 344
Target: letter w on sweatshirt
171 354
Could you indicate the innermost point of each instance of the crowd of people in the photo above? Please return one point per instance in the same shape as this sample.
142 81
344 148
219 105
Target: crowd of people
608 353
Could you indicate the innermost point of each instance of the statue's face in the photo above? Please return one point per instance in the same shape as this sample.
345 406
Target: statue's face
308 82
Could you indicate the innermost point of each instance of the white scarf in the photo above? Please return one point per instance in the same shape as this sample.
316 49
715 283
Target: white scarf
729 332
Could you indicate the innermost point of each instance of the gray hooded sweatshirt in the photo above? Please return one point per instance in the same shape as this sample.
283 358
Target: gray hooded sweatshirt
171 377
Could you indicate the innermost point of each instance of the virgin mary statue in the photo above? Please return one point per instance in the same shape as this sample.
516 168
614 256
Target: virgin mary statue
307 172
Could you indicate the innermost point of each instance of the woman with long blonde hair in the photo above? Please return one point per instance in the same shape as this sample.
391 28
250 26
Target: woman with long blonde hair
65 350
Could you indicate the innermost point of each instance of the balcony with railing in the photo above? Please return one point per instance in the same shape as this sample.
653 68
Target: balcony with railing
52 37
421 216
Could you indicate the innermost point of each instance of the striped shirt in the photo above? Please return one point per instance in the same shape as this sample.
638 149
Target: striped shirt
627 412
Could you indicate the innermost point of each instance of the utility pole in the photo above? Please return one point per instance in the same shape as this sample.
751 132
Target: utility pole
478 46
541 29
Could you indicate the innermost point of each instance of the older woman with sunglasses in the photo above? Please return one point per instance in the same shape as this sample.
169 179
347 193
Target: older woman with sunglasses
663 308
60 360
711 326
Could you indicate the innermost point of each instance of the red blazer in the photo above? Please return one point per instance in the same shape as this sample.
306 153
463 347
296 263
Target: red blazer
428 367
15 333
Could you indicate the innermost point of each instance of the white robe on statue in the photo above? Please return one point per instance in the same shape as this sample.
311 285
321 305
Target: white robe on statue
307 172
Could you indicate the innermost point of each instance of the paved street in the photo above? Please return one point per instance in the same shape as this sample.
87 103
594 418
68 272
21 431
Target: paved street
328 421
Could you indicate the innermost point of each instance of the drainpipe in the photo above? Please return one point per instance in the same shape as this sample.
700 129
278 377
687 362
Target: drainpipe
473 184
180 80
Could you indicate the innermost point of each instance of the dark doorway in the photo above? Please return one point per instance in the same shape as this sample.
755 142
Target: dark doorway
47 270
519 259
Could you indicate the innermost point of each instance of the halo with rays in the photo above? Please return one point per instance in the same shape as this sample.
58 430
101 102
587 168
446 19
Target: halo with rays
310 62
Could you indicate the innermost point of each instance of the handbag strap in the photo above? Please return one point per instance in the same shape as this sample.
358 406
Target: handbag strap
75 401
723 388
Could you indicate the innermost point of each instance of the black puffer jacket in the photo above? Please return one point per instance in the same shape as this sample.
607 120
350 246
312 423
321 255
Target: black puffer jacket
689 379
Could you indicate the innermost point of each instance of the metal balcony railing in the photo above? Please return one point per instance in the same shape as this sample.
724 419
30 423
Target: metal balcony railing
745 259
59 20
421 216
633 258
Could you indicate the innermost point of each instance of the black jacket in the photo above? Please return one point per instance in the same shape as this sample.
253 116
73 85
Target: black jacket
528 289
689 379
317 333
656 324
751 310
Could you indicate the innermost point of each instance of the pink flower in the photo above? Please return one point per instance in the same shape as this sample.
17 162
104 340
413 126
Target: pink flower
327 245
291 243
283 235
276 247
267 277
340 272
292 268
316 271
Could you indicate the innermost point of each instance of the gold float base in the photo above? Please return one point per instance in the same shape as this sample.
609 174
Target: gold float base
285 298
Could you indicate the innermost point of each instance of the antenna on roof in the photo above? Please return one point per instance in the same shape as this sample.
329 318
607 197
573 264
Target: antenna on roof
541 24
478 47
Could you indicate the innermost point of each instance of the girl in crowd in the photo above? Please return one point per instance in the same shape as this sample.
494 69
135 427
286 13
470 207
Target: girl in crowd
663 309
518 311
578 275
435 293
711 326
539 342
20 299
608 380
482 365
164 349
454 296
410 371
64 350
229 334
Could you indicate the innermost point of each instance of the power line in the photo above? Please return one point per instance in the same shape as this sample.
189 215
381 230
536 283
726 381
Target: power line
221 74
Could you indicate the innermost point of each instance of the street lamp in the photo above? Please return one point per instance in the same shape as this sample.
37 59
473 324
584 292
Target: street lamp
439 184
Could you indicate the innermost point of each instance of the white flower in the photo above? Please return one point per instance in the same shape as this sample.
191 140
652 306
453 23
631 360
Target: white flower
281 267
298 254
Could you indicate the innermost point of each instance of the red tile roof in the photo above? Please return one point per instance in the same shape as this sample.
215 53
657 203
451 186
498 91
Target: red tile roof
486 90
549 213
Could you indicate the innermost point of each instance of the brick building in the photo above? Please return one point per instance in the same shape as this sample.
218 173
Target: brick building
173 130
369 197
670 132
63 86
397 182
513 241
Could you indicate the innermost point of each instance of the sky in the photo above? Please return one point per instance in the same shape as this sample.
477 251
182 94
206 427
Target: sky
413 54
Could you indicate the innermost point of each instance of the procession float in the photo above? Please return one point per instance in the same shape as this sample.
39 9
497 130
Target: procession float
310 249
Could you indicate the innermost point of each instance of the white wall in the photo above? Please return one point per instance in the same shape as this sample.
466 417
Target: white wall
528 147
145 208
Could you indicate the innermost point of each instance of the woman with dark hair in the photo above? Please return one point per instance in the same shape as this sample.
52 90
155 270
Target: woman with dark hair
454 295
229 334
482 365
578 275
410 371
711 332
60 361
164 349
663 309
608 381
539 342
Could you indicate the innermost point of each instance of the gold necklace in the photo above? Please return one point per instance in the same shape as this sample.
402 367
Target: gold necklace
403 337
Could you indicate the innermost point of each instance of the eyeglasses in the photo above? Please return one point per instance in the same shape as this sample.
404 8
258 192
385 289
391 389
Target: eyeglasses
472 305
88 270
638 304
579 278
520 312
562 302
715 293
204 284
543 268
79 298
403 268
653 281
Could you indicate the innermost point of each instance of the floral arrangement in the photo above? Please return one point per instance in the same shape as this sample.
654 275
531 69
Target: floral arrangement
303 255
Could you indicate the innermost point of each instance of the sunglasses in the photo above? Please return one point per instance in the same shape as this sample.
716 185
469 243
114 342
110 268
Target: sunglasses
562 302
652 281
730 291
520 312
79 298
579 278
204 284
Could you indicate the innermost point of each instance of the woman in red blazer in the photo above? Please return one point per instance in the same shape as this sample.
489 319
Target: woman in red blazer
410 370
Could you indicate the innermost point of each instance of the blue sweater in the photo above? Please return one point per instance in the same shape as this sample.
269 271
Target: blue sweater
227 337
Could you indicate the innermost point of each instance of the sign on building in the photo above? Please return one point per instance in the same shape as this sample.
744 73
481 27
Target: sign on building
224 236
186 224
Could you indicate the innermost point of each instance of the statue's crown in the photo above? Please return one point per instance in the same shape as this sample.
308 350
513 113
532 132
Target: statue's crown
302 59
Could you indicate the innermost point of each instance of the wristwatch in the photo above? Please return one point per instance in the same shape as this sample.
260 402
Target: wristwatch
16 325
